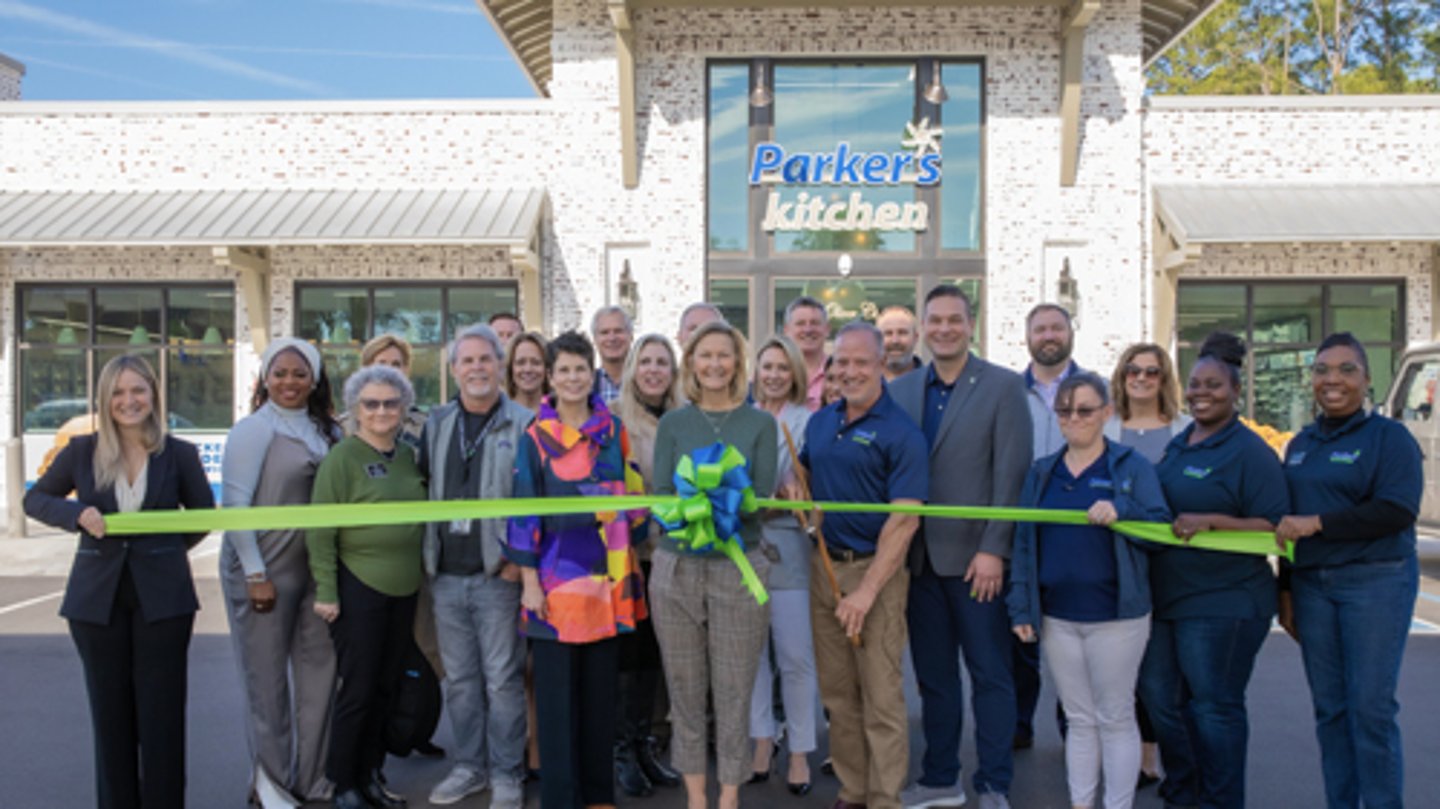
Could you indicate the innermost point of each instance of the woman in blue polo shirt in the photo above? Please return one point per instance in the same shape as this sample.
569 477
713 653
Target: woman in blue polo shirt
1212 610
1355 481
1087 589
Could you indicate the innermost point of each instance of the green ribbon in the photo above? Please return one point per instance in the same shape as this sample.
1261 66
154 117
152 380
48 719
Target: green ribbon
271 518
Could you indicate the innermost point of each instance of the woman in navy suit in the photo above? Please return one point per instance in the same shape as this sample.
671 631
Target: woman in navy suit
130 601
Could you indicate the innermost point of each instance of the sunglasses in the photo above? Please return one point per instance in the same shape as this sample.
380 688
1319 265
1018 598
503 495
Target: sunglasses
1064 413
1148 371
372 405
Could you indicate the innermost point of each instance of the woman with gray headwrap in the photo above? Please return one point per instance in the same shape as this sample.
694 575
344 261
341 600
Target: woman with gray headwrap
270 460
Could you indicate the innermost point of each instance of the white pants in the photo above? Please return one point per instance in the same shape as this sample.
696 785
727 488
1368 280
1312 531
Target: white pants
795 657
1094 667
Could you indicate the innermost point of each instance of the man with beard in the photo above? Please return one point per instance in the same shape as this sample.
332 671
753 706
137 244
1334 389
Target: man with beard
897 326
1050 336
974 419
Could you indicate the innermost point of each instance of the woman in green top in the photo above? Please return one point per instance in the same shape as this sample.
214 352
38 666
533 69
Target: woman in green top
366 579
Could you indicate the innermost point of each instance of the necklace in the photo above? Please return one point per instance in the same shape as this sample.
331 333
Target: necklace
716 424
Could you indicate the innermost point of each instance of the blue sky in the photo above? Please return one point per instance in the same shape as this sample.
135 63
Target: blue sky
257 49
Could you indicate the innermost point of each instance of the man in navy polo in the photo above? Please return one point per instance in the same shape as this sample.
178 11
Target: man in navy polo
864 449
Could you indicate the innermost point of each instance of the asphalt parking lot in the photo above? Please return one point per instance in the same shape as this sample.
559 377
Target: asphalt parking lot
45 758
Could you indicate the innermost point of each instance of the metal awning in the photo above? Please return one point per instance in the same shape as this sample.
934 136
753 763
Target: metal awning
271 217
1210 214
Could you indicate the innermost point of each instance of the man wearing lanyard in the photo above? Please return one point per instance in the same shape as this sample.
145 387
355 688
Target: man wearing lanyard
468 452
977 431
1050 337
863 449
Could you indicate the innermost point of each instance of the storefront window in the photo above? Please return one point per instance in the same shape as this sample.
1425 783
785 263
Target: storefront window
68 333
732 296
342 318
845 299
960 191
729 157
1283 323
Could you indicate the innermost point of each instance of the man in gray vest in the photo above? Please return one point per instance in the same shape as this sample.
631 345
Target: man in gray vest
468 451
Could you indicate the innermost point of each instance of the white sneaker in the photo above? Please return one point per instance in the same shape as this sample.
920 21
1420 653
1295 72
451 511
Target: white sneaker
270 795
461 783
919 796
507 795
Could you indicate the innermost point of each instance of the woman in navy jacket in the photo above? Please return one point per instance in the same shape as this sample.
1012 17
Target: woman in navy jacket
130 601
1088 588
1355 485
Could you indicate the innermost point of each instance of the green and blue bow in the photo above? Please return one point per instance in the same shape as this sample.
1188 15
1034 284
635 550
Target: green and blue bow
714 489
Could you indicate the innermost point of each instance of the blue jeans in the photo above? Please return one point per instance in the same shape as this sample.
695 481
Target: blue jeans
1192 682
945 621
1353 621
477 624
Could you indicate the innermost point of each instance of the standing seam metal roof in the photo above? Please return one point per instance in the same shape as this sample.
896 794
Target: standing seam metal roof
271 216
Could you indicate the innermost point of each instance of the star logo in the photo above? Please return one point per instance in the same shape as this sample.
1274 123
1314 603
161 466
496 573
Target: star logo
923 138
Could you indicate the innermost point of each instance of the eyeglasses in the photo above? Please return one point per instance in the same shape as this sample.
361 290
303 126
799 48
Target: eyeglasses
1064 413
371 405
1345 368
1148 371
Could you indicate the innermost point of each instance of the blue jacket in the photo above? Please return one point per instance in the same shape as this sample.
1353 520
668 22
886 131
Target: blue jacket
1138 496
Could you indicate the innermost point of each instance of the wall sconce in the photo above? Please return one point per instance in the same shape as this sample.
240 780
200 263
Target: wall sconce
845 264
760 95
629 292
1067 291
935 92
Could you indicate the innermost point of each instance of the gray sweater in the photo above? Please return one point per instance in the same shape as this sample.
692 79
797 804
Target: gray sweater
749 430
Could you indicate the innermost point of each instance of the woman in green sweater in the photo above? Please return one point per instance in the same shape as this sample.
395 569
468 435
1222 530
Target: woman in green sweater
366 579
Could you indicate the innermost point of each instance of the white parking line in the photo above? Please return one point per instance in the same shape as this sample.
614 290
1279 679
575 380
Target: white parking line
30 602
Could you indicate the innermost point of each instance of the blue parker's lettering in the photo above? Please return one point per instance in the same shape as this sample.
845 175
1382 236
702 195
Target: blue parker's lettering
843 166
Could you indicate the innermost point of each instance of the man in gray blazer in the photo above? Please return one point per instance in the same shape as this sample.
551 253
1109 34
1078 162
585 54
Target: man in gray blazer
977 425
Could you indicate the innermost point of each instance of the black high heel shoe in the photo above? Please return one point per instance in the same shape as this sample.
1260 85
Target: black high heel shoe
758 777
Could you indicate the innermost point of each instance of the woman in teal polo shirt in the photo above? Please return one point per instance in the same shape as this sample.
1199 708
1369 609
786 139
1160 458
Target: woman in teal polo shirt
1212 610
1355 480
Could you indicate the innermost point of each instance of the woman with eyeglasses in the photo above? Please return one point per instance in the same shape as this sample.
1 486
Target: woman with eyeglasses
1147 416
1212 610
1147 401
1356 480
366 580
1087 590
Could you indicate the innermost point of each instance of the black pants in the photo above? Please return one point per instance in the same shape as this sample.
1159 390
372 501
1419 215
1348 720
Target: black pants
370 638
575 690
135 673
641 679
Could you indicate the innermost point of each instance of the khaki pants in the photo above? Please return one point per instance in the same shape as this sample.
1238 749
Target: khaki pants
862 688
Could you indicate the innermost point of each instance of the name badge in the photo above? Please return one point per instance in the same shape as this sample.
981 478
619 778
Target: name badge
460 527
1101 483
1297 458
377 470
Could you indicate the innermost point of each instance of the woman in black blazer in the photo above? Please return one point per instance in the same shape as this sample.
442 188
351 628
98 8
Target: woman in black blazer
130 601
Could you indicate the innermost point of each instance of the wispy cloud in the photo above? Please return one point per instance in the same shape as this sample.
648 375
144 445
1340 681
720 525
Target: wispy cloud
465 7
36 61
179 51
278 49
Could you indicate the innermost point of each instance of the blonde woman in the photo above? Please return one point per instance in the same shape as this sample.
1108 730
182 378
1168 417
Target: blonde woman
388 349
649 388
130 602
780 391
710 628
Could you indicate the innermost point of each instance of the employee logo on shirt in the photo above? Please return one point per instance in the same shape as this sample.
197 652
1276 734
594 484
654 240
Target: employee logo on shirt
1196 473
1347 458
864 437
